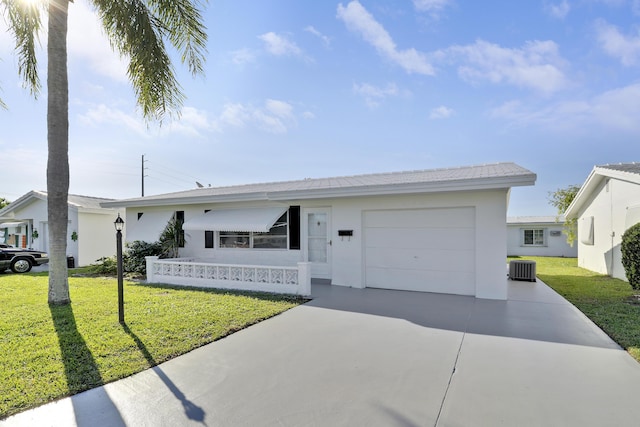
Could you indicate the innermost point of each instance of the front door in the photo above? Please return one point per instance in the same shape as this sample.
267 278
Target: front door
318 241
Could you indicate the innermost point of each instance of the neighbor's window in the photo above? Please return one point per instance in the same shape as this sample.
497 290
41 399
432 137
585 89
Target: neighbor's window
533 237
275 238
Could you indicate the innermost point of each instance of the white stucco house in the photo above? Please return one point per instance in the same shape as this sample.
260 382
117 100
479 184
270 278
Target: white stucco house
91 234
538 236
607 204
440 230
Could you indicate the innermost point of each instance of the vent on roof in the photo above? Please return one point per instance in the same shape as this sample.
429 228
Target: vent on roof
522 270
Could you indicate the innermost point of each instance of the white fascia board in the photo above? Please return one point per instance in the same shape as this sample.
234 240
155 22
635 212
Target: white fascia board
22 201
592 181
99 211
179 201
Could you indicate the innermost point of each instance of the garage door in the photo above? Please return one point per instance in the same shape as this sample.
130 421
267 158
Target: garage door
428 250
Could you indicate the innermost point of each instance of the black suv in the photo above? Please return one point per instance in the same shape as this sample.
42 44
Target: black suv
20 260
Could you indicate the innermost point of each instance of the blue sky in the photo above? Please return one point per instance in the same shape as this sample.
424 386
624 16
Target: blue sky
316 89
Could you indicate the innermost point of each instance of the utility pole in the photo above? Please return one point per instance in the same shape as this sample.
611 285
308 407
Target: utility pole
142 170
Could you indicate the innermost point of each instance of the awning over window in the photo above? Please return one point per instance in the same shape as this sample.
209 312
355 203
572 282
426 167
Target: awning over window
252 219
11 224
148 227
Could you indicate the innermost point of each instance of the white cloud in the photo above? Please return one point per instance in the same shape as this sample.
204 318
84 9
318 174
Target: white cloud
312 30
191 123
360 21
374 95
87 43
243 56
614 110
274 117
102 114
279 45
433 7
557 10
624 48
279 108
537 65
440 112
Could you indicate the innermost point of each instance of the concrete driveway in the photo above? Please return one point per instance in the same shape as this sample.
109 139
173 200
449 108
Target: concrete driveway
365 357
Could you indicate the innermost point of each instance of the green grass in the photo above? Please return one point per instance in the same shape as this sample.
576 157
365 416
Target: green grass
50 352
608 302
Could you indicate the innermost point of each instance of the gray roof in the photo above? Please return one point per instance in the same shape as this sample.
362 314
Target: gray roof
75 201
497 175
633 167
535 220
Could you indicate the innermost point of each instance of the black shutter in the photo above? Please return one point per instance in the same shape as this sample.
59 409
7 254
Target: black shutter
208 239
294 227
208 236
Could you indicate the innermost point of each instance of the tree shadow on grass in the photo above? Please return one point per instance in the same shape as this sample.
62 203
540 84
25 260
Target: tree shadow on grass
80 368
192 411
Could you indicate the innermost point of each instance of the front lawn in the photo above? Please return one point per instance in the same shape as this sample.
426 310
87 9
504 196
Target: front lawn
609 303
50 352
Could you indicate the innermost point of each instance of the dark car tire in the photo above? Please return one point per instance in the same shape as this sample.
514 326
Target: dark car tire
21 265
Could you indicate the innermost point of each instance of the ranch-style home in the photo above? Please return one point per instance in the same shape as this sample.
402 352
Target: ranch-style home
91 234
440 230
538 236
607 204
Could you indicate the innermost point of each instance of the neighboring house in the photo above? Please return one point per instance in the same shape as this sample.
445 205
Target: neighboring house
538 236
91 234
440 230
607 204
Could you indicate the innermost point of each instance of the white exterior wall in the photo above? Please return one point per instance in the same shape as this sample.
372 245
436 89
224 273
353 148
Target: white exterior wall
96 234
608 206
490 239
347 255
37 213
556 246
96 237
73 225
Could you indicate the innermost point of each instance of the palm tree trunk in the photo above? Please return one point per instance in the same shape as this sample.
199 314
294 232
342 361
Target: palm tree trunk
58 158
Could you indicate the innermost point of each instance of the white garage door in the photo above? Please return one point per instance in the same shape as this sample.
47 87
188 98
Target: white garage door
428 250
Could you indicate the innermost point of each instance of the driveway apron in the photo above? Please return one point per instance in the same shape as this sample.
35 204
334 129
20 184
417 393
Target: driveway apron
365 357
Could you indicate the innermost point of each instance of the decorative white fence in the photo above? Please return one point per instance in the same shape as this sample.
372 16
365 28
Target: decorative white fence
188 272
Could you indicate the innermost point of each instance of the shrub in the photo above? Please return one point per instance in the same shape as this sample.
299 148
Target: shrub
134 257
630 249
104 265
171 239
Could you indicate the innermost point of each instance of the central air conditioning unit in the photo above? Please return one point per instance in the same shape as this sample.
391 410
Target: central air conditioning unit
522 270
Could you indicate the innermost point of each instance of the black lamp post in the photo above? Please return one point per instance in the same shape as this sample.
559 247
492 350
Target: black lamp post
119 224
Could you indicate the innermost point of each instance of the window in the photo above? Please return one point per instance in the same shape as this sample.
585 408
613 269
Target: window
533 237
275 238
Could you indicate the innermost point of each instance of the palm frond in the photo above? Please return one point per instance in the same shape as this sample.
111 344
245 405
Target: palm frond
25 24
137 29
187 32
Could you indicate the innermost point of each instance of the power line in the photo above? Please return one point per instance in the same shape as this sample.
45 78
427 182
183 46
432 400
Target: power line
176 171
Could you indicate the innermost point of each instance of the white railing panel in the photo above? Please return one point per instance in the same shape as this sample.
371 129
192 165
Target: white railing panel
187 272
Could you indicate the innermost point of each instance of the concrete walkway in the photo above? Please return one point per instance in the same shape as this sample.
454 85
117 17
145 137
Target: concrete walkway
365 357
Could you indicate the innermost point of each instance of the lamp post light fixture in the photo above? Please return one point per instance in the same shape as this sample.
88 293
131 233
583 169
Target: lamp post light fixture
119 224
